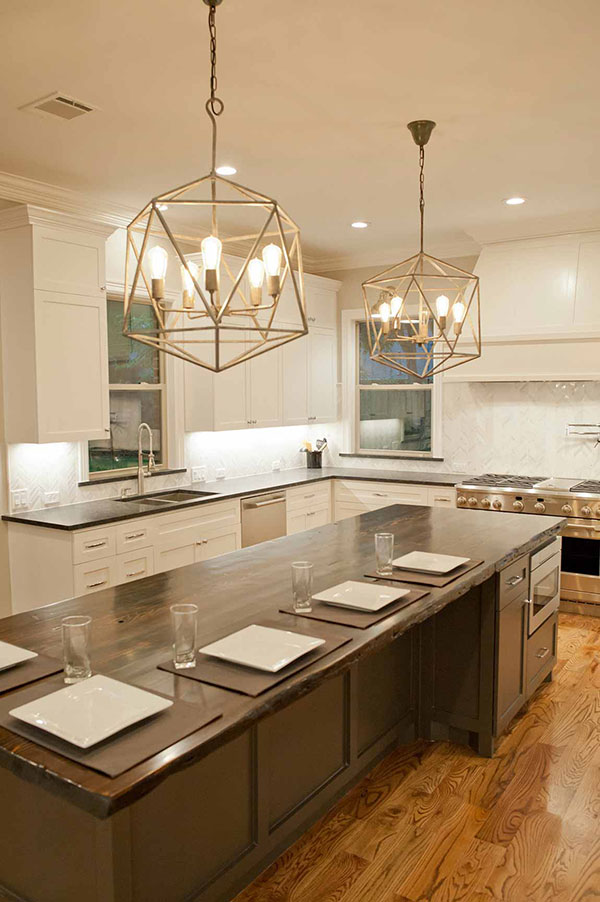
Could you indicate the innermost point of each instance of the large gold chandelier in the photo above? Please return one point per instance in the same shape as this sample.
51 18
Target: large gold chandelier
238 250
422 314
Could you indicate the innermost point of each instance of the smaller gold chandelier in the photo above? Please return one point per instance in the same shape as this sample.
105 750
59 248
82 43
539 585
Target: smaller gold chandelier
422 314
238 251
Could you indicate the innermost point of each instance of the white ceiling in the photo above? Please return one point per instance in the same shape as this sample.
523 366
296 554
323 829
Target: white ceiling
317 98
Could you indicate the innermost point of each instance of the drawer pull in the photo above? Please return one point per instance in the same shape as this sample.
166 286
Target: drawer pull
311 513
312 495
380 494
136 573
514 581
136 535
96 544
542 652
202 542
445 500
94 585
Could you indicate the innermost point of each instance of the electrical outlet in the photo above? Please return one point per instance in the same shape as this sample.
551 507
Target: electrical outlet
51 497
220 473
198 474
19 498
276 465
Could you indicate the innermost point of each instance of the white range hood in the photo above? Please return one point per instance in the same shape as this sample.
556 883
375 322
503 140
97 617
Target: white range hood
540 311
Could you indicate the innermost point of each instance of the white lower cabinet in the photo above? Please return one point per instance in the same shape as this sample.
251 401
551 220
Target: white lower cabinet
357 496
442 496
308 506
93 576
134 565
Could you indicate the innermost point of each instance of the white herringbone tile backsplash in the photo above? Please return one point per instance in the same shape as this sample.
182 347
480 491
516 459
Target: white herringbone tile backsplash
516 427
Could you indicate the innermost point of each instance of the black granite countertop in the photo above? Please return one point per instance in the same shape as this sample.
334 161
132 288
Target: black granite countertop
88 514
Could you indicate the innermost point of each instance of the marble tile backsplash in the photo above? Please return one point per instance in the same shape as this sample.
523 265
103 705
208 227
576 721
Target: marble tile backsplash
516 427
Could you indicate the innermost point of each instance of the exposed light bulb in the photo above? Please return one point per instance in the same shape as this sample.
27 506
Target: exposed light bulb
188 274
395 306
272 255
158 259
458 312
256 277
211 258
442 305
385 311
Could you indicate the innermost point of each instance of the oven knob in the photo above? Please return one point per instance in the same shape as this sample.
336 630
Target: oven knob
567 509
497 504
472 502
518 505
485 502
539 507
597 511
586 511
461 500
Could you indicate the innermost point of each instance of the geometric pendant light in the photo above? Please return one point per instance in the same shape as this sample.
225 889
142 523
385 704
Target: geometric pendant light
242 286
422 314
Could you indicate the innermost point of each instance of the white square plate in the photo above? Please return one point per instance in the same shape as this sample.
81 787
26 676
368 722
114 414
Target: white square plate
361 596
90 711
425 562
262 647
12 654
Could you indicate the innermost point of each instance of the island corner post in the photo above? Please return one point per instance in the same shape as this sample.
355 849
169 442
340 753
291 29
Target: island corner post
201 819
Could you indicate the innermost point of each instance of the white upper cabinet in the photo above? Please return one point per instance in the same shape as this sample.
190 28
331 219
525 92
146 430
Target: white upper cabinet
539 310
53 324
322 376
295 381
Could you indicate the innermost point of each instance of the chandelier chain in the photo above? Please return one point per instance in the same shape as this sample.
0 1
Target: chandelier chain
214 105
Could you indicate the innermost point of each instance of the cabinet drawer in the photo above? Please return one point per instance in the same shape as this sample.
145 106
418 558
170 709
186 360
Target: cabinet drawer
380 494
93 576
344 509
225 513
513 581
93 544
441 497
541 652
133 535
308 496
134 565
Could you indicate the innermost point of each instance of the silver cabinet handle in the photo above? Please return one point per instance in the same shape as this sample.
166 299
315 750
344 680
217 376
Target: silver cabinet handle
542 652
514 580
447 500
263 503
96 544
136 573
202 542
310 496
380 495
311 513
136 535
93 585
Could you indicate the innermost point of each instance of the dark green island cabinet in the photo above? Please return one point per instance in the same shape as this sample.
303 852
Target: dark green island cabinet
198 821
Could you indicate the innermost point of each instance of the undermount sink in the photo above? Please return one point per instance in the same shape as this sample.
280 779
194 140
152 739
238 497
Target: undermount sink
176 497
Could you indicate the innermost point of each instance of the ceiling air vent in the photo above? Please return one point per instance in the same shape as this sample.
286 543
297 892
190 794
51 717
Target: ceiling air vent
58 105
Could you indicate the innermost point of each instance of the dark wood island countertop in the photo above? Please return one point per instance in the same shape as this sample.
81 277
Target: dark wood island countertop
131 630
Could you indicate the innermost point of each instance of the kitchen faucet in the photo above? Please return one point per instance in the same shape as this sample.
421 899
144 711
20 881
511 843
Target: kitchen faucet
141 473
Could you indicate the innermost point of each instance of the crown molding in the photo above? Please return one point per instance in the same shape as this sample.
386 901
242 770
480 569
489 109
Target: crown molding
382 257
27 214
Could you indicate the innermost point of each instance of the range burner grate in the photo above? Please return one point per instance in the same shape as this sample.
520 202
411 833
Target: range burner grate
502 480
590 487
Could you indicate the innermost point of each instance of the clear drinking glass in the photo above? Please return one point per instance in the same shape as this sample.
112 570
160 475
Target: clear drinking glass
302 572
76 633
384 553
184 620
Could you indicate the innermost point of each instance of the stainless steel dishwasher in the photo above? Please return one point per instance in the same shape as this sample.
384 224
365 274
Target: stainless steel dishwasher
263 518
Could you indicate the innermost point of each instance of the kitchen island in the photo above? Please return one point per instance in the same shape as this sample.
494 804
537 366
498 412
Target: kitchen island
201 818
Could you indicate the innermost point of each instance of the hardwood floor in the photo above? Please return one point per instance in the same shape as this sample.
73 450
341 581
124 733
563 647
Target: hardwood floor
436 823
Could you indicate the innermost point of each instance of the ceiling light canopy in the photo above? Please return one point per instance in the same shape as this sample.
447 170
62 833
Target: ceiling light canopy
237 250
422 314
514 201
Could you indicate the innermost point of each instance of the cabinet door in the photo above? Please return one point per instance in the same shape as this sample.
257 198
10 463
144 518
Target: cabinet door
295 382
321 306
199 387
93 576
72 367
296 522
511 675
134 565
180 547
231 389
220 542
441 497
264 389
317 518
322 376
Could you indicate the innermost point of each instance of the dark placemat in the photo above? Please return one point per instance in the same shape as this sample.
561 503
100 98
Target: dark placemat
426 579
28 672
362 619
121 752
247 680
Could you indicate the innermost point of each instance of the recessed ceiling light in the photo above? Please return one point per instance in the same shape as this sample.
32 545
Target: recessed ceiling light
226 170
360 224
514 201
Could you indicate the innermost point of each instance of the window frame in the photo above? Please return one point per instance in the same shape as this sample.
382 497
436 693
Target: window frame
162 386
351 397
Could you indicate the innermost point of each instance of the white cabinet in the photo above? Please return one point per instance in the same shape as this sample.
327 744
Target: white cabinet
308 506
357 496
295 382
53 325
441 496
263 389
322 376
53 312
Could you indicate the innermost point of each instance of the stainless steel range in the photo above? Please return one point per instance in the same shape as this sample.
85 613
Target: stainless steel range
577 500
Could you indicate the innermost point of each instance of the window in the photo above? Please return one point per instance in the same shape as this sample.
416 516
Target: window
137 393
394 413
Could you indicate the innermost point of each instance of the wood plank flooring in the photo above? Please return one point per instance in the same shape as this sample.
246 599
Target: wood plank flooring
436 823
